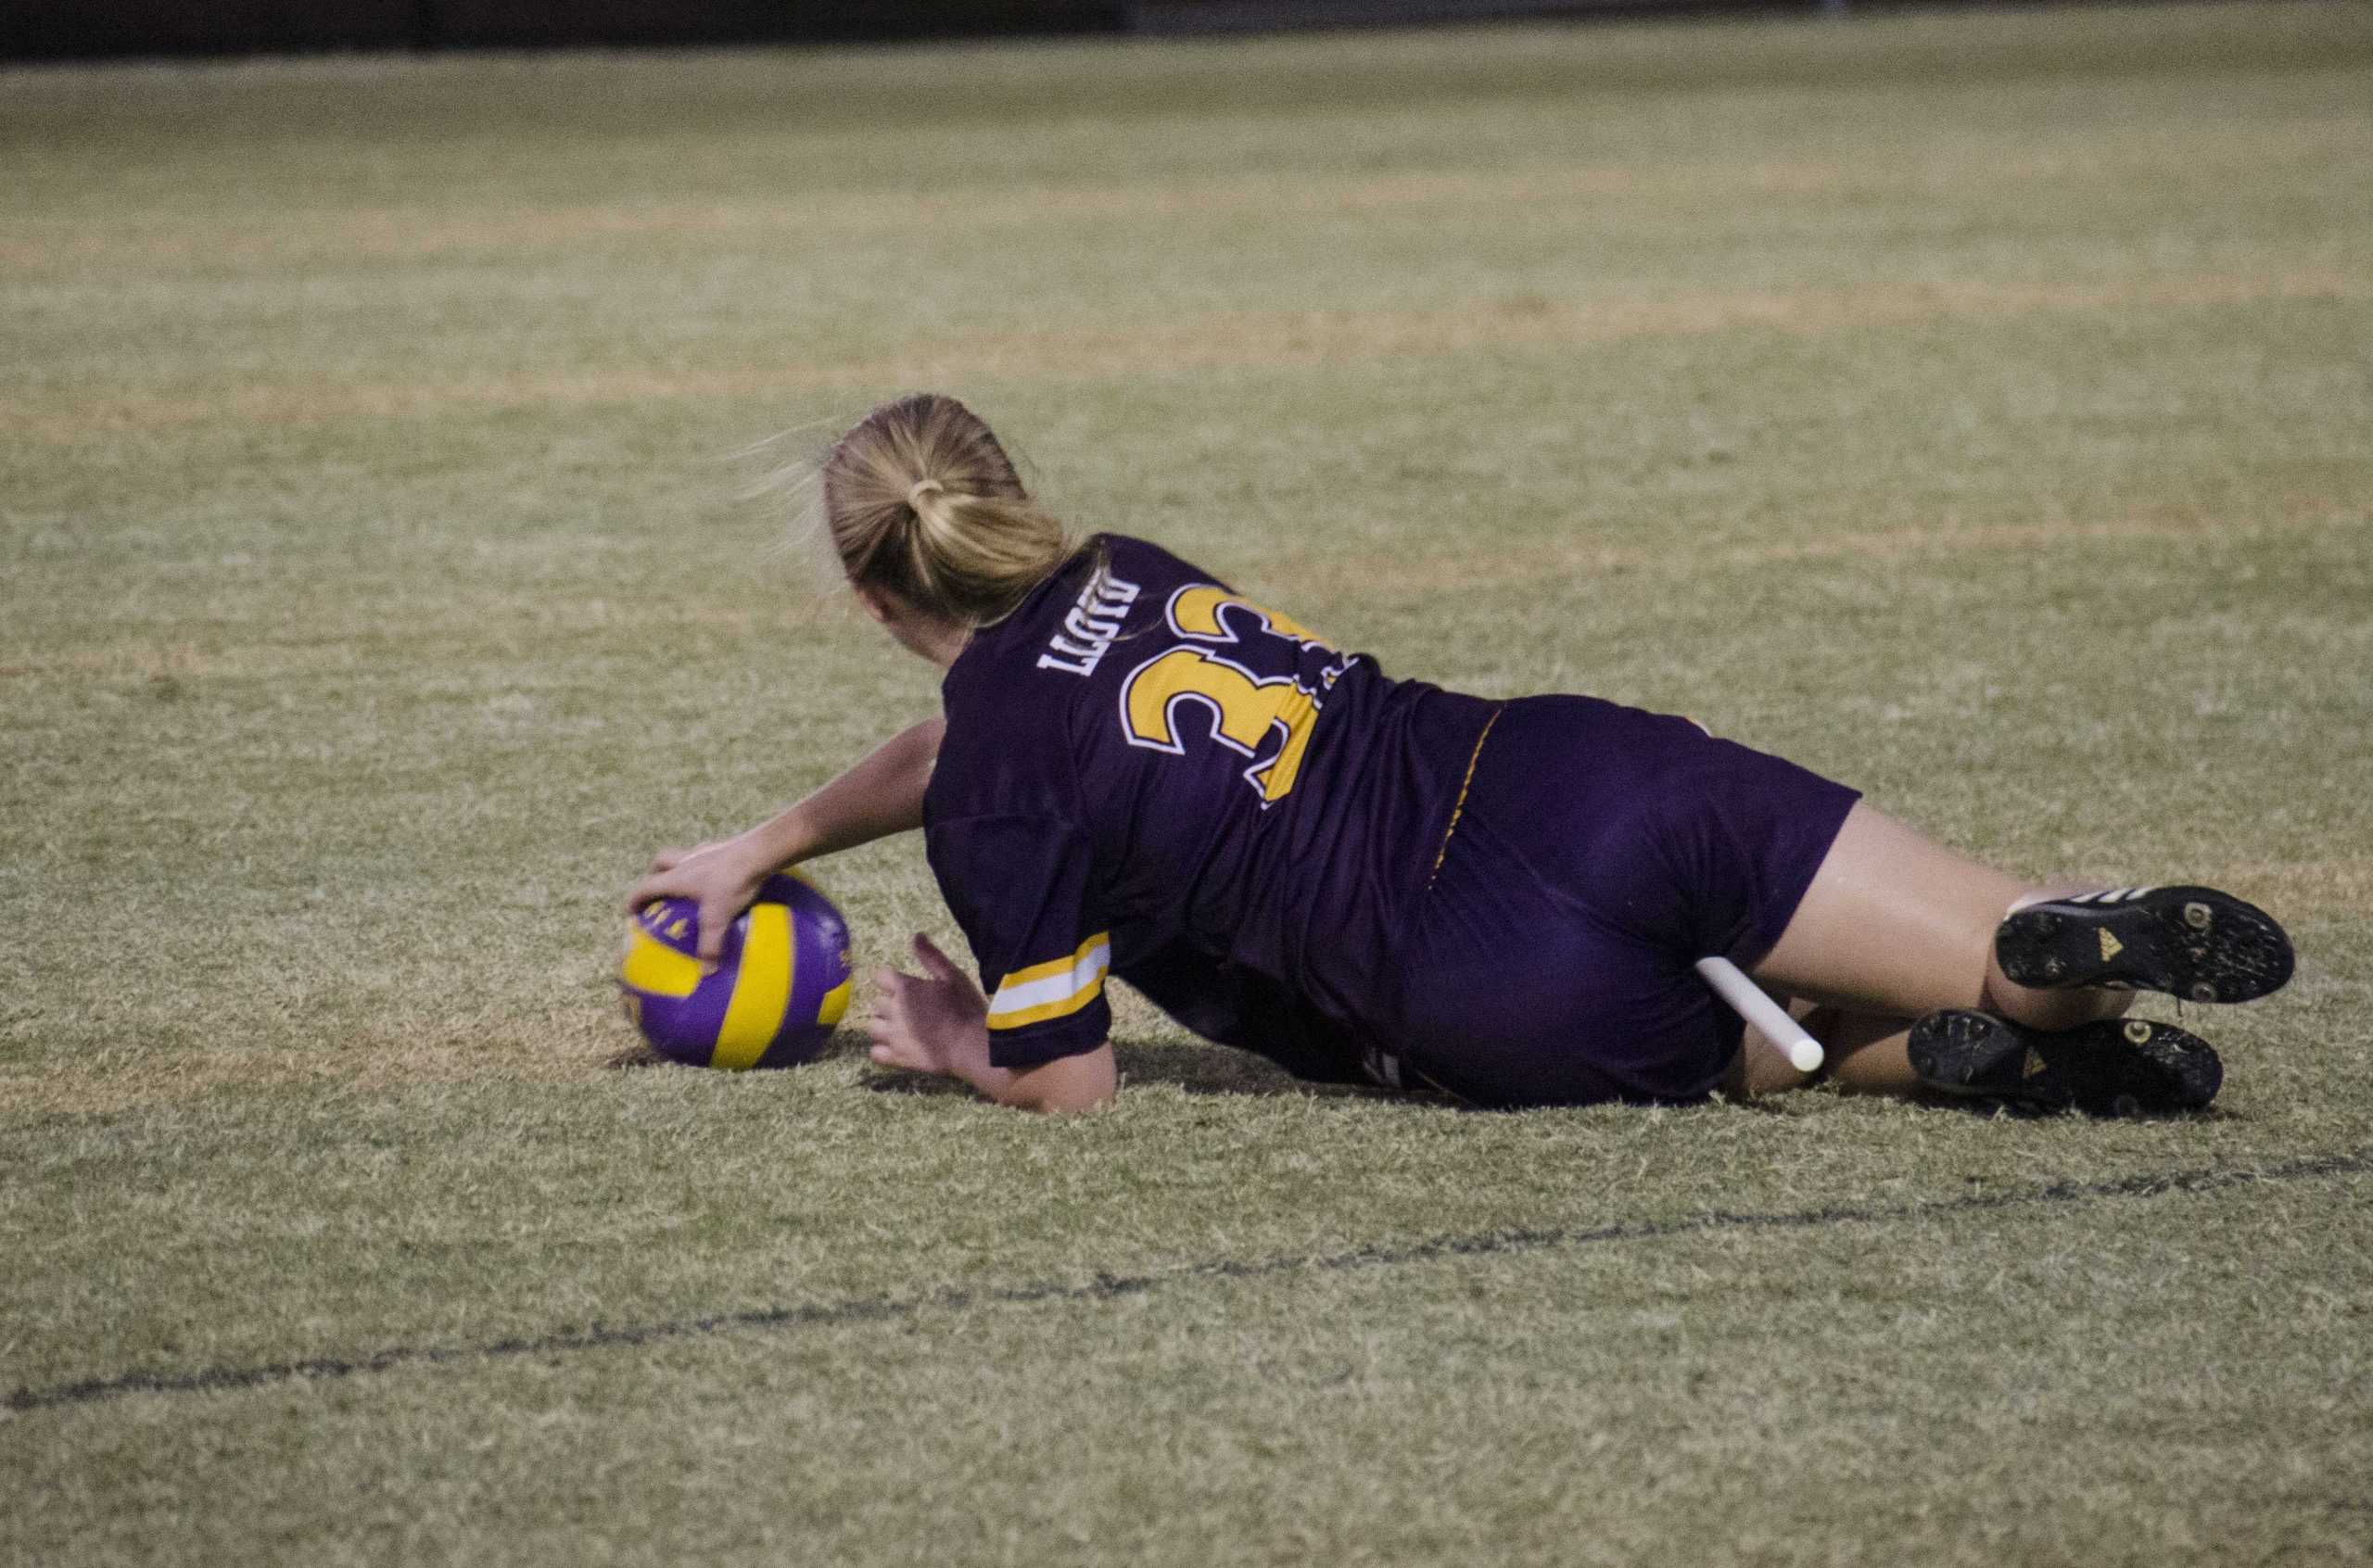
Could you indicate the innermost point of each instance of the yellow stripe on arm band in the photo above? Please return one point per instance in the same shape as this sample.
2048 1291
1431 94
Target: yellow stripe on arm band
1040 1013
1054 966
1052 989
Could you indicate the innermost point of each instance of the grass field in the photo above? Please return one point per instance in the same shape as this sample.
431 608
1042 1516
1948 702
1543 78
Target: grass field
1975 407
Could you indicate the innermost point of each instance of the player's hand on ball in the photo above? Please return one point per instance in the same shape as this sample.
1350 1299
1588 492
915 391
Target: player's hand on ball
936 1021
722 878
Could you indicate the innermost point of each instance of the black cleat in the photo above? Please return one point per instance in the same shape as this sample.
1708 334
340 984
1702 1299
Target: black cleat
2116 1066
2193 942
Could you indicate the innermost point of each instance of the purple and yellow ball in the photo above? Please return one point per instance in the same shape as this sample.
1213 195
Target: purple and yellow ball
781 984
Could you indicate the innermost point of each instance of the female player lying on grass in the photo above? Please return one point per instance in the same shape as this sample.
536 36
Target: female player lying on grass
1141 773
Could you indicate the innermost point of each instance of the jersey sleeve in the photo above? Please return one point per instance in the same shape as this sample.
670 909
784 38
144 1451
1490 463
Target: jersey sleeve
1022 888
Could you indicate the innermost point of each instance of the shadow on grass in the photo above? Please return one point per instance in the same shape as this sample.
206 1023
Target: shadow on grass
636 1056
1197 1070
1219 1070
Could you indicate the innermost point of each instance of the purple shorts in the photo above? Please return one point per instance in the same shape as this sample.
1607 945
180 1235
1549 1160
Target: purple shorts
1599 853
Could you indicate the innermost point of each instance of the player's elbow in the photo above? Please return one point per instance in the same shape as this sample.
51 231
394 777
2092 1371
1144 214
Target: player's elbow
1087 1082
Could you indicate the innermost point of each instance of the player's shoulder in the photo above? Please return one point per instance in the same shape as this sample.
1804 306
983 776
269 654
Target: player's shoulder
1015 692
1113 589
1118 577
1129 559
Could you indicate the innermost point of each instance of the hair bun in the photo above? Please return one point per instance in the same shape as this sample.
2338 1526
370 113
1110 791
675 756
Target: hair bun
922 490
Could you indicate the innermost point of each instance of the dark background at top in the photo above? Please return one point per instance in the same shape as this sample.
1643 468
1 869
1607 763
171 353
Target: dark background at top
97 28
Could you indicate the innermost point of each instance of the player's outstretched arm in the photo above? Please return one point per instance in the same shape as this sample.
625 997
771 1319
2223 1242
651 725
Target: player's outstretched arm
938 1022
880 795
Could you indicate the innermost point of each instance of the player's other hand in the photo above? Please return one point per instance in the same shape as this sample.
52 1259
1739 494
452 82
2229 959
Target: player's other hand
935 1022
722 878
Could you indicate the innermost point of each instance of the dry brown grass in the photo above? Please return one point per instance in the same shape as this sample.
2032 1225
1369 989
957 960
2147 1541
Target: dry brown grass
1380 576
378 233
1228 340
561 1046
365 233
573 1045
1430 573
332 744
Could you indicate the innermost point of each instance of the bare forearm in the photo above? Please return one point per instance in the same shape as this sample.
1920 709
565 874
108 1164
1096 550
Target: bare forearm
1067 1083
880 795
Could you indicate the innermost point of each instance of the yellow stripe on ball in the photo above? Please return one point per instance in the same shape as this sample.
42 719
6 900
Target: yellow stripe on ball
836 1004
653 967
761 990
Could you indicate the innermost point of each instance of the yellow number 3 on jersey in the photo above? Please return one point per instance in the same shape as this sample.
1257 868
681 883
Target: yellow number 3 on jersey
1245 707
1244 711
1195 612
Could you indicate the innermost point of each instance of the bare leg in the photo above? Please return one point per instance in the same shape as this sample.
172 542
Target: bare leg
1865 1055
1894 926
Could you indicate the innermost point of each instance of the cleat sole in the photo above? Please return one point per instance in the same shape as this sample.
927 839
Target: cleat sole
2115 1067
2195 943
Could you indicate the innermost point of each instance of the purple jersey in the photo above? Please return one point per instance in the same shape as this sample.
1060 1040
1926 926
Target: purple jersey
1142 765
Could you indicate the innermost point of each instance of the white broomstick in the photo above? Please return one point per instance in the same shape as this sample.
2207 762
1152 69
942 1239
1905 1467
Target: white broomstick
1767 1018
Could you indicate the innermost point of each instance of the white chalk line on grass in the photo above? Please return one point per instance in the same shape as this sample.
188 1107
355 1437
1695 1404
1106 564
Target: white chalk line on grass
1106 1286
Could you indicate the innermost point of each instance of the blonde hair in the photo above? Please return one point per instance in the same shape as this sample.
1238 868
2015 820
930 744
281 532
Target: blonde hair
920 500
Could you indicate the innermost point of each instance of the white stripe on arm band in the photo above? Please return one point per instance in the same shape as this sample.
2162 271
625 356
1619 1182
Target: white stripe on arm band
1052 989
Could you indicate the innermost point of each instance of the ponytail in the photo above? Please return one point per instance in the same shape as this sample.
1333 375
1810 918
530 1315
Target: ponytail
921 500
